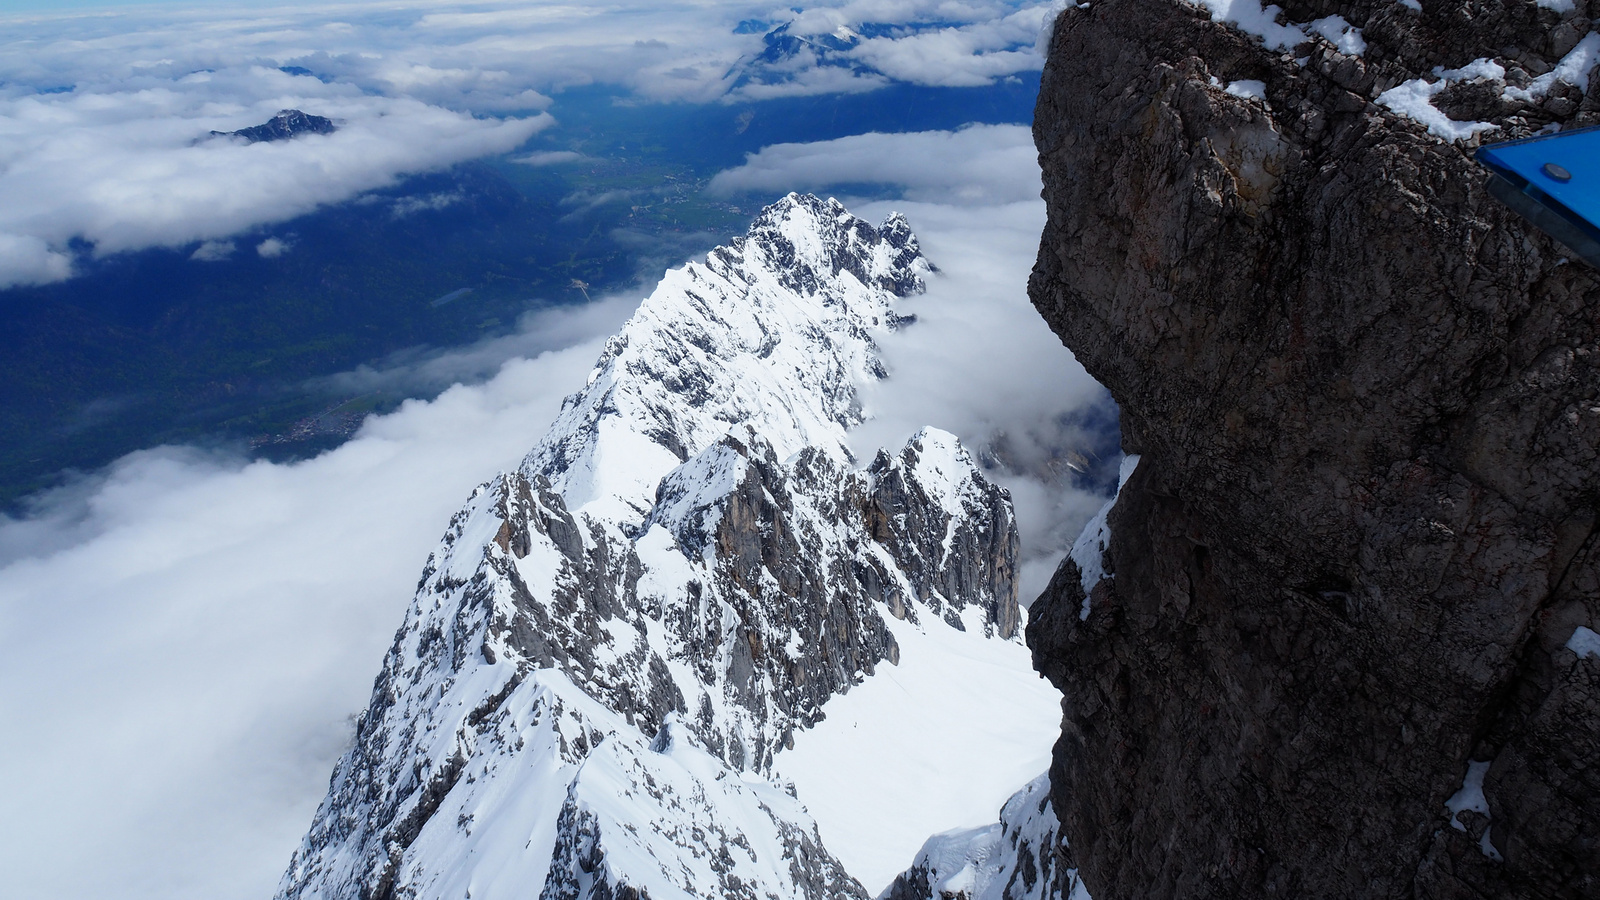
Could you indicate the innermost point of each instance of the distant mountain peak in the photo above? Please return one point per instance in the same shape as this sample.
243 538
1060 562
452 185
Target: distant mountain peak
287 124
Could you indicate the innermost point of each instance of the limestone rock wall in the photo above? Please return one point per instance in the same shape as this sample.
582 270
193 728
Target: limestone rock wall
1367 398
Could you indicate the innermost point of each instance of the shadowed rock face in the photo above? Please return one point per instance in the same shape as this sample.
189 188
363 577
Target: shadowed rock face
1363 530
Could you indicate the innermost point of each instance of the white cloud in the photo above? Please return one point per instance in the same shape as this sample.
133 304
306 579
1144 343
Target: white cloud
549 158
123 159
184 635
820 20
213 251
826 19
272 248
809 81
980 362
105 117
586 202
980 164
406 206
133 169
864 45
965 56
26 259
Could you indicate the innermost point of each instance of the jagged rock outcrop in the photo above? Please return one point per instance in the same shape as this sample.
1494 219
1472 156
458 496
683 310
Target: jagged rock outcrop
612 642
1341 588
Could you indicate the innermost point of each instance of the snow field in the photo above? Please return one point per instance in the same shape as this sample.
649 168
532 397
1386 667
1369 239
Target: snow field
936 743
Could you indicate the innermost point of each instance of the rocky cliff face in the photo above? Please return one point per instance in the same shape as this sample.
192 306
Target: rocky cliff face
1339 645
612 642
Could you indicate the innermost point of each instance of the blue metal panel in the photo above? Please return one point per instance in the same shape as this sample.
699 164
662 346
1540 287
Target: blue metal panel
1554 182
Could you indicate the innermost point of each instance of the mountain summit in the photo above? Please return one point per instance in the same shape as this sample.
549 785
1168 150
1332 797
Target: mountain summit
613 643
287 124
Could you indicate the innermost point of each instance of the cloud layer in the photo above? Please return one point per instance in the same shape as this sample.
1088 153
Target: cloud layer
105 118
980 362
962 56
185 636
980 164
137 168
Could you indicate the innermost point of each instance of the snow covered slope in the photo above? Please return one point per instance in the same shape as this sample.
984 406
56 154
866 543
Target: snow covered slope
1022 857
936 742
612 644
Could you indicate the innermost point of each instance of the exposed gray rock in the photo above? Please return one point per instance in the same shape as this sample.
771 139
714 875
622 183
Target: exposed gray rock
1367 399
958 547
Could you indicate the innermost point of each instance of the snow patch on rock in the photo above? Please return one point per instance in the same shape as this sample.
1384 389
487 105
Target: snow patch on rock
1088 551
1252 17
1584 642
1470 798
1414 99
1574 68
1248 88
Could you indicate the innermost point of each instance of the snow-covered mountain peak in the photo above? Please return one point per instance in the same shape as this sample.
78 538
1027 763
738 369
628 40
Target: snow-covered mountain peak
938 462
772 331
691 499
612 644
809 242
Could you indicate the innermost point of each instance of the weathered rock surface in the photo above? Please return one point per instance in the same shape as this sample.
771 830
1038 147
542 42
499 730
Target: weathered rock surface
1367 400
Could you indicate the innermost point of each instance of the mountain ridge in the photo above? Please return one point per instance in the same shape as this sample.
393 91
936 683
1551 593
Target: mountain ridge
674 582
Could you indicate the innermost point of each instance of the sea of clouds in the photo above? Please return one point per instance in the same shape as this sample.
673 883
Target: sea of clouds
106 115
185 635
